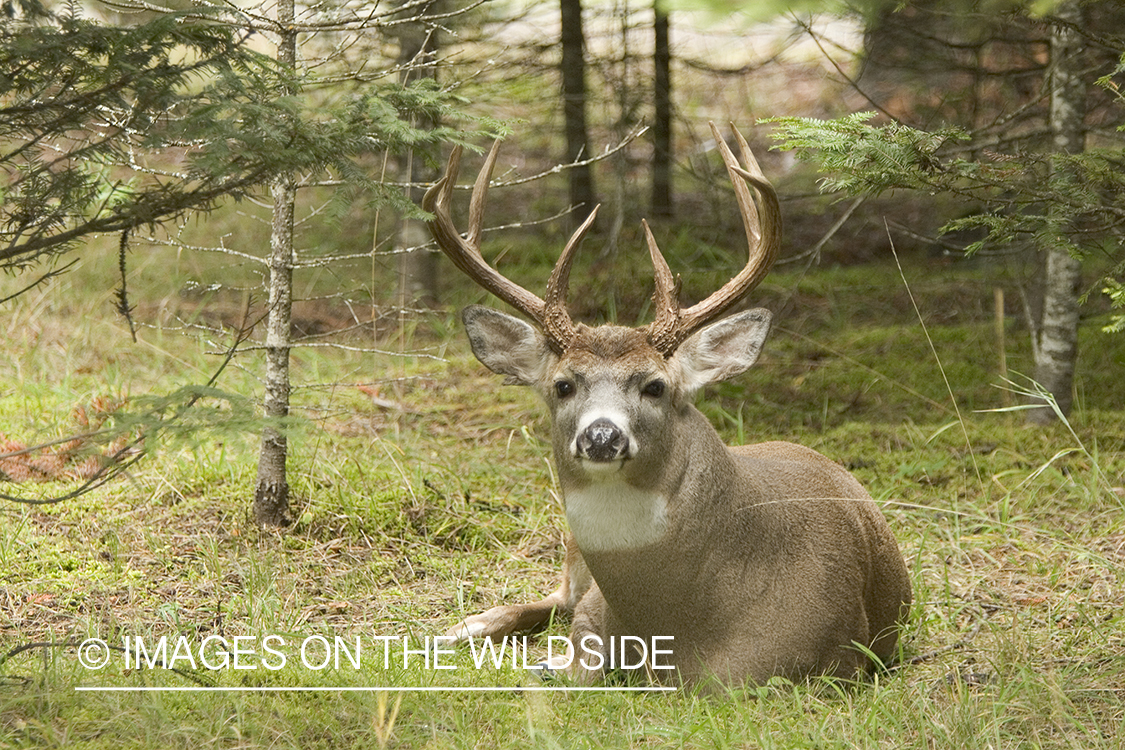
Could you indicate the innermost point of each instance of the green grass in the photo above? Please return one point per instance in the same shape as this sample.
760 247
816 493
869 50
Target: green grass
410 517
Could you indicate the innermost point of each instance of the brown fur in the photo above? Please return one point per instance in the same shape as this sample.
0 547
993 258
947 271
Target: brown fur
762 560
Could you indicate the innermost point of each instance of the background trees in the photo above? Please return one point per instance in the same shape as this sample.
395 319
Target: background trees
106 130
1022 91
573 73
341 103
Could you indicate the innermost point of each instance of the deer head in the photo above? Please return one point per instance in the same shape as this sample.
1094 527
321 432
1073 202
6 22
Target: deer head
614 392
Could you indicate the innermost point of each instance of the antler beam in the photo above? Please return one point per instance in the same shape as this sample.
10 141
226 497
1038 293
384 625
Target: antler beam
550 313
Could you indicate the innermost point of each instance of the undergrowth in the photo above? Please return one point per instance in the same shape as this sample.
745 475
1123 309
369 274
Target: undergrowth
423 492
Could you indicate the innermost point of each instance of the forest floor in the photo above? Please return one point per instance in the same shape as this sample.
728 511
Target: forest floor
423 491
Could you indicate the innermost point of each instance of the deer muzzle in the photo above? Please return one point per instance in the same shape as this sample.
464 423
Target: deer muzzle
602 441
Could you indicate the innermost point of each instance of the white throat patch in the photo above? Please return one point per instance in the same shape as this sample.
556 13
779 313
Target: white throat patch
609 516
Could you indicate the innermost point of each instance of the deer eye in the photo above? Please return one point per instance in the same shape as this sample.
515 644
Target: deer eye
655 389
564 388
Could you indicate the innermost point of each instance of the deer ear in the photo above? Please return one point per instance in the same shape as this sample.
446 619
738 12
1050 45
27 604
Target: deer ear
506 345
724 349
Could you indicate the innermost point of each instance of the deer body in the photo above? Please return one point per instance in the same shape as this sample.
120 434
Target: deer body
759 587
751 561
755 560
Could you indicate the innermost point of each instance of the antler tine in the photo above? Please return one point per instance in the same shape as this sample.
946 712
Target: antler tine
556 320
762 222
665 297
480 192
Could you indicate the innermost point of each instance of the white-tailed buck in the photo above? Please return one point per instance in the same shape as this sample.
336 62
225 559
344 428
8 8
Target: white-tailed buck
736 563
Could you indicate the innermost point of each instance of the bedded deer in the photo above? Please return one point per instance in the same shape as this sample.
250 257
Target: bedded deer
746 562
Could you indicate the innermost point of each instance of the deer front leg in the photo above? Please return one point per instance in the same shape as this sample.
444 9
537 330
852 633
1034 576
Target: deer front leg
590 655
513 618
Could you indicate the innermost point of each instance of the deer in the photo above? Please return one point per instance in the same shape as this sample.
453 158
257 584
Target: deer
748 562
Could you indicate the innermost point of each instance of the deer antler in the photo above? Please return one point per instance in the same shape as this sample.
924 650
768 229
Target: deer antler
673 324
550 313
762 221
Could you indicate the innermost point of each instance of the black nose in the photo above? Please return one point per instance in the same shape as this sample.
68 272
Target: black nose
602 441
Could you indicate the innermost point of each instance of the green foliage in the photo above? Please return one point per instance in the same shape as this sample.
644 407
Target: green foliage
1073 201
857 158
105 129
79 101
185 418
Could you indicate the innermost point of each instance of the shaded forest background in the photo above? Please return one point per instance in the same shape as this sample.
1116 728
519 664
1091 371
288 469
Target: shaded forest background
333 118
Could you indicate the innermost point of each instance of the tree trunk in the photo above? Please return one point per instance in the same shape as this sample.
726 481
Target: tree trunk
271 493
1056 348
573 70
662 115
417 268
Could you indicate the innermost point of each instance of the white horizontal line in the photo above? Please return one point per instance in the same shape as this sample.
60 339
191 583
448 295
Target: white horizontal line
376 689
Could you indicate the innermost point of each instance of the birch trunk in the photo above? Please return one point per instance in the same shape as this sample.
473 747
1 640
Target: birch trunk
1056 348
271 493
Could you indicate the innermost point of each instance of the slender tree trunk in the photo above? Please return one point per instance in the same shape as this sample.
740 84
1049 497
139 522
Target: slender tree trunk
418 268
662 115
573 69
1056 348
271 493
